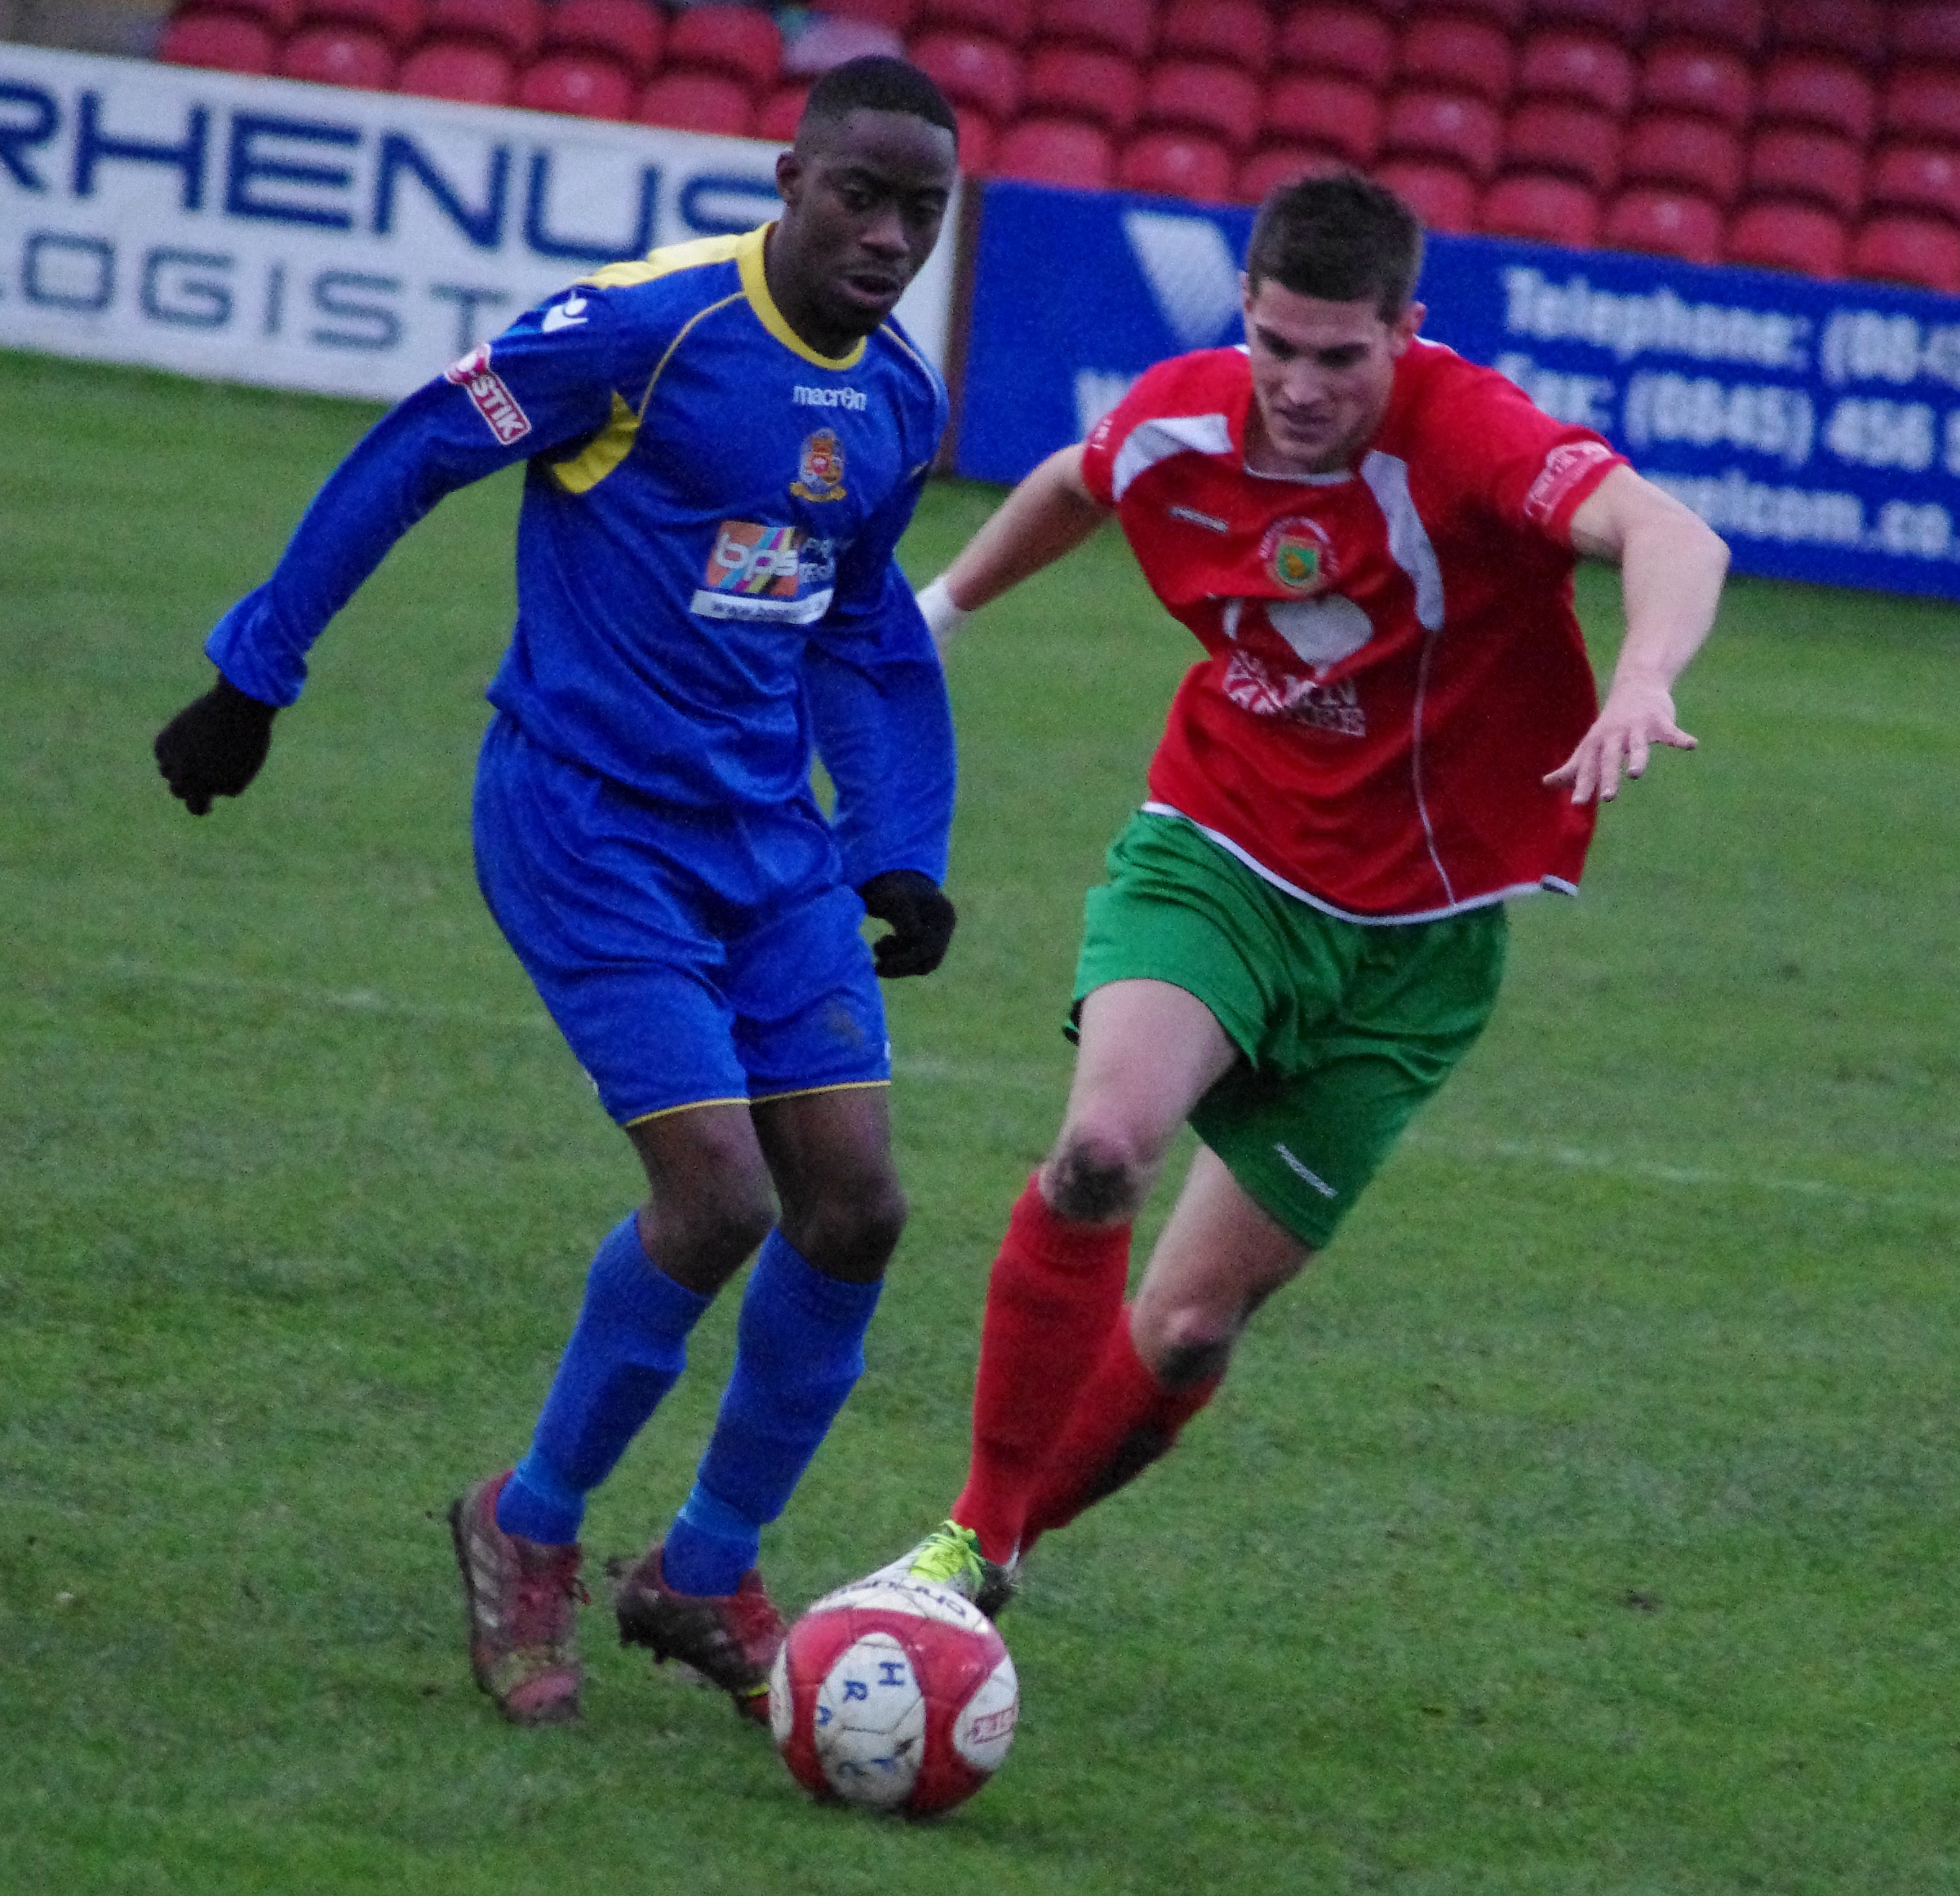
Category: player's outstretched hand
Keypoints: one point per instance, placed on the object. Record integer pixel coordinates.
(214, 746)
(921, 918)
(1639, 713)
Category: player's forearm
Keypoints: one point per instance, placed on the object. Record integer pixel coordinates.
(1049, 513)
(1671, 571)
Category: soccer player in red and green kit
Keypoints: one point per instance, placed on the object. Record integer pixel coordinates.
(1393, 731)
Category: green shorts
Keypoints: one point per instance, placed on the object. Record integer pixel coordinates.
(1347, 1028)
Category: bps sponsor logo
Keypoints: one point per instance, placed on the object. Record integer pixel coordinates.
(1297, 554)
(755, 559)
(820, 468)
(1565, 467)
(756, 572)
(484, 386)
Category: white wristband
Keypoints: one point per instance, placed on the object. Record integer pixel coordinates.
(942, 618)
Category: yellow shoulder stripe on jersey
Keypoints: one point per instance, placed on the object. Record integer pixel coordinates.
(890, 332)
(755, 284)
(665, 261)
(603, 452)
(583, 471)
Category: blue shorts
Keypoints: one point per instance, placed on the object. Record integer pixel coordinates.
(686, 963)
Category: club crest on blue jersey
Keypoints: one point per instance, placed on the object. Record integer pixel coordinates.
(820, 468)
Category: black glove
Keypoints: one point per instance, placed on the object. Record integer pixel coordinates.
(921, 919)
(214, 746)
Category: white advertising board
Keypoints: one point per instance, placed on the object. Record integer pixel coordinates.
(315, 237)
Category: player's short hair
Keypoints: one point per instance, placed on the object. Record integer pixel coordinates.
(877, 82)
(1337, 238)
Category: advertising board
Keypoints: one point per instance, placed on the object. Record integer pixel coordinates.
(322, 238)
(1815, 425)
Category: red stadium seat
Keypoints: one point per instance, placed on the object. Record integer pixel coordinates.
(1450, 125)
(1785, 161)
(1337, 114)
(780, 113)
(1443, 197)
(1735, 24)
(515, 27)
(978, 135)
(1009, 20)
(1082, 81)
(1337, 35)
(1584, 67)
(697, 102)
(1770, 236)
(1624, 20)
(1915, 178)
(1688, 153)
(1506, 16)
(339, 55)
(1541, 208)
(1555, 134)
(741, 43)
(1239, 32)
(1926, 32)
(1177, 164)
(1222, 102)
(1057, 151)
(1816, 90)
(224, 42)
(1265, 171)
(972, 70)
(1684, 75)
(465, 70)
(398, 22)
(1920, 250)
(1462, 55)
(278, 17)
(584, 84)
(1923, 104)
(1852, 29)
(632, 32)
(1129, 27)
(1672, 223)
(896, 15)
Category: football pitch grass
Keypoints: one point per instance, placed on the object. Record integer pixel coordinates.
(1587, 1523)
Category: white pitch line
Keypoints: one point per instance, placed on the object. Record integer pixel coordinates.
(930, 1069)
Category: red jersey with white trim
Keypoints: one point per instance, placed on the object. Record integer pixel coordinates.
(1393, 663)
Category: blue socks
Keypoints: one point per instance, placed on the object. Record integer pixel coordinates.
(627, 1348)
(799, 1352)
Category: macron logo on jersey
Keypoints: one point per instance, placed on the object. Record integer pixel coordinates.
(474, 376)
(803, 395)
(566, 315)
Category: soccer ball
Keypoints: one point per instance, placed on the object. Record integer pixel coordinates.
(894, 1695)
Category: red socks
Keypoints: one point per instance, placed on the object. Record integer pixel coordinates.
(1055, 1294)
(1124, 1418)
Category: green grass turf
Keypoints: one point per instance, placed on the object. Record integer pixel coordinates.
(1585, 1524)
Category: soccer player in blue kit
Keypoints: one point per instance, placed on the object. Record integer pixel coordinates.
(725, 442)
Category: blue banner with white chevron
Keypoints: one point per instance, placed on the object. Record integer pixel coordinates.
(1816, 426)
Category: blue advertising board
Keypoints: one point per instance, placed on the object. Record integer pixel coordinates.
(1816, 426)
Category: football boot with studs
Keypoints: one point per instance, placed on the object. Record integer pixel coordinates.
(521, 1598)
(730, 1640)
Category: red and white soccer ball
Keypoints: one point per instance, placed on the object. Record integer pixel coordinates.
(894, 1695)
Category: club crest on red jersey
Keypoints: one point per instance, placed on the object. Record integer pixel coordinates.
(1298, 555)
(820, 468)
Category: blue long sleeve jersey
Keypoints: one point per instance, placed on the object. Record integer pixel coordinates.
(706, 584)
